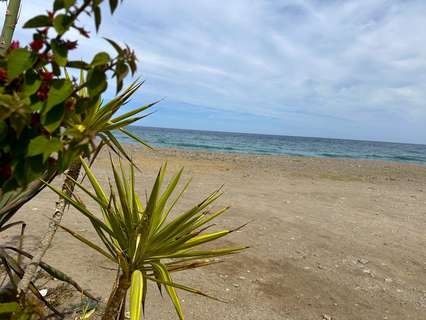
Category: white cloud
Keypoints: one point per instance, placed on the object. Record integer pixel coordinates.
(362, 62)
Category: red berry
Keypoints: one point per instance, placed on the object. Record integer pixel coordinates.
(36, 45)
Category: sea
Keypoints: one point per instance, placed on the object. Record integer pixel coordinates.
(264, 144)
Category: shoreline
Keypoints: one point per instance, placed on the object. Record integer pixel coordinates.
(200, 151)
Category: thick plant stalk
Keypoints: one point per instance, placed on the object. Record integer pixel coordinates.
(10, 20)
(117, 297)
(68, 188)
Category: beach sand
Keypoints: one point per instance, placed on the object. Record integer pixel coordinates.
(329, 239)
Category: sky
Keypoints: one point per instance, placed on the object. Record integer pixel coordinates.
(326, 68)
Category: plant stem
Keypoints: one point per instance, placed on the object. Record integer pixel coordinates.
(10, 20)
(68, 188)
(116, 298)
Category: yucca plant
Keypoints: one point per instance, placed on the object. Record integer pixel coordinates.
(145, 241)
(101, 120)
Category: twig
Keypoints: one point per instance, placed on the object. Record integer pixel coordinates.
(68, 188)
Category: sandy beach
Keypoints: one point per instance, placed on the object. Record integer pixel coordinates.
(329, 239)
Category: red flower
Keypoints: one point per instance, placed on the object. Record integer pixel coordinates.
(3, 75)
(14, 45)
(50, 15)
(70, 45)
(43, 92)
(46, 75)
(36, 45)
(45, 56)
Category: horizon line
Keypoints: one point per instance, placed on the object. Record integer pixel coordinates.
(279, 135)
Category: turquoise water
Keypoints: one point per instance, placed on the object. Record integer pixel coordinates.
(278, 145)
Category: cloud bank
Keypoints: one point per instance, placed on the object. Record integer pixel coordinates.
(350, 69)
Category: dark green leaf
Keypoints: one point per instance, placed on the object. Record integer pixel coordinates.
(101, 58)
(55, 68)
(19, 60)
(67, 158)
(53, 119)
(96, 82)
(113, 5)
(37, 22)
(38, 106)
(68, 3)
(58, 5)
(97, 14)
(78, 65)
(44, 146)
(121, 72)
(32, 82)
(60, 89)
(34, 167)
(60, 52)
(115, 45)
(3, 130)
(132, 65)
(62, 23)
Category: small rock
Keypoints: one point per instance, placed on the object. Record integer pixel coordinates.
(369, 272)
(43, 292)
(326, 317)
(227, 289)
(242, 278)
(236, 285)
(127, 315)
(388, 280)
(34, 209)
(363, 261)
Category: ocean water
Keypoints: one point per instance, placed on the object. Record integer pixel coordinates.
(278, 145)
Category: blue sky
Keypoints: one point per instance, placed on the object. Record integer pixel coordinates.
(345, 69)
